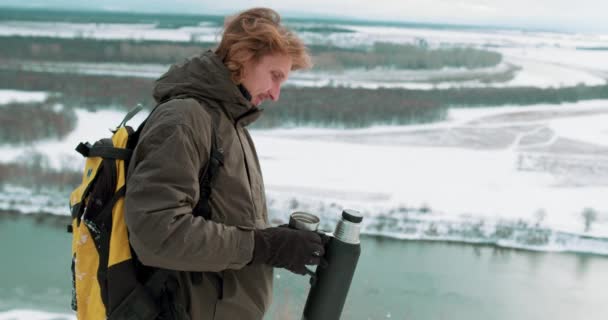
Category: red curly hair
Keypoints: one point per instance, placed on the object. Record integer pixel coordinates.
(255, 33)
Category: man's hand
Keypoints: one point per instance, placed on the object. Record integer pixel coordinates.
(288, 248)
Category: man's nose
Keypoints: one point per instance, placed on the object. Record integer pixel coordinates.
(275, 92)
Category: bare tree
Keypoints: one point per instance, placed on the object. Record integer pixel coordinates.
(540, 215)
(589, 216)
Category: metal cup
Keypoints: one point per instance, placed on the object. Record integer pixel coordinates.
(304, 221)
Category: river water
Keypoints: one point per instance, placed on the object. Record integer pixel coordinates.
(395, 279)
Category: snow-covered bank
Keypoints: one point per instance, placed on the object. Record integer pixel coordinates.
(536, 231)
(29, 201)
(23, 314)
(18, 96)
(542, 74)
(423, 223)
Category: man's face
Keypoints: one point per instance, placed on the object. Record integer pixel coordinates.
(263, 79)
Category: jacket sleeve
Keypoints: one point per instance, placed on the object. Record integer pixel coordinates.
(162, 189)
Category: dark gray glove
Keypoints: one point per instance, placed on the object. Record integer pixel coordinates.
(288, 248)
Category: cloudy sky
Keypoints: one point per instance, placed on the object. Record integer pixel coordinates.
(579, 15)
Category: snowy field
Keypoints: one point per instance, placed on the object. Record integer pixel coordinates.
(482, 172)
(471, 178)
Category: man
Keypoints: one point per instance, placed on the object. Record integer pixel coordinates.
(212, 97)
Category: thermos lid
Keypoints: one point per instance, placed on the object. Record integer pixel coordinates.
(352, 216)
(304, 221)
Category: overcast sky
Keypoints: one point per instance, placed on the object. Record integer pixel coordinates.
(579, 15)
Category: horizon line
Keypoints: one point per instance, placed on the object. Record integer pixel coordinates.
(297, 15)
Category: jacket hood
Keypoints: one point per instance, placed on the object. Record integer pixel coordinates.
(203, 76)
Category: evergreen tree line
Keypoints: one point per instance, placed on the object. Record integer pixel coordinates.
(328, 106)
(92, 50)
(407, 56)
(326, 57)
(22, 123)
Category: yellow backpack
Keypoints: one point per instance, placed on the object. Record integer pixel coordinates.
(100, 245)
(108, 280)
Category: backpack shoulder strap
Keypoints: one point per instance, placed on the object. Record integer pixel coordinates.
(106, 152)
(206, 175)
(209, 171)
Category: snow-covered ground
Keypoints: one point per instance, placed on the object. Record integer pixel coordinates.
(17, 96)
(34, 315)
(514, 176)
(205, 32)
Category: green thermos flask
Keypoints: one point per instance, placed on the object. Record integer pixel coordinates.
(330, 284)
